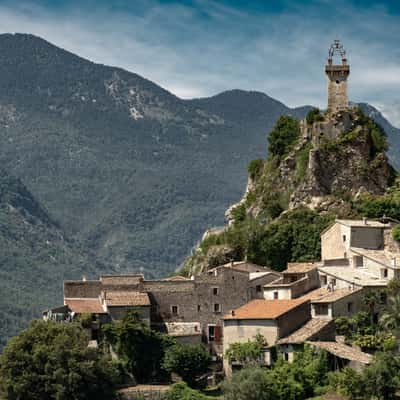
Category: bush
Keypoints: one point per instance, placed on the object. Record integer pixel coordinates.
(181, 391)
(248, 352)
(283, 136)
(314, 115)
(254, 168)
(50, 360)
(396, 233)
(188, 361)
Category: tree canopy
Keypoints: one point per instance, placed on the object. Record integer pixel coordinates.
(52, 361)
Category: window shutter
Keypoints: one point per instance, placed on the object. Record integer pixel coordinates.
(218, 333)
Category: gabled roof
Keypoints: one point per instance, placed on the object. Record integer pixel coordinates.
(82, 289)
(382, 257)
(343, 351)
(85, 306)
(264, 309)
(126, 298)
(307, 331)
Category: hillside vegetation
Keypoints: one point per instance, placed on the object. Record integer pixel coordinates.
(303, 185)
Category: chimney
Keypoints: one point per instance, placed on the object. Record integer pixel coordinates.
(233, 313)
(84, 278)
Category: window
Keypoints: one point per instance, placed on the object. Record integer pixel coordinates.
(350, 307)
(211, 333)
(258, 288)
(217, 308)
(286, 356)
(344, 238)
(174, 310)
(215, 291)
(276, 295)
(385, 273)
(321, 309)
(198, 308)
(324, 280)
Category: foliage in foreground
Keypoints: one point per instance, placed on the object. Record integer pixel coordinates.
(139, 347)
(181, 391)
(285, 381)
(379, 381)
(52, 361)
(188, 361)
(247, 352)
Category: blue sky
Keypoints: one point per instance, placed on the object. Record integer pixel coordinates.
(198, 48)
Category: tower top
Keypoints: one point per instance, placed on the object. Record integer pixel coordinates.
(337, 49)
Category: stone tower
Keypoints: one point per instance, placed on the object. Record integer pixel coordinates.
(337, 78)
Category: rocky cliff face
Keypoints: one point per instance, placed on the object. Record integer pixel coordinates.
(334, 161)
(318, 168)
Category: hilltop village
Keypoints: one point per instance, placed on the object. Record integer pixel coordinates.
(237, 301)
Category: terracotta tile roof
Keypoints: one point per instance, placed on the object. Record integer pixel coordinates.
(264, 309)
(125, 298)
(306, 332)
(83, 306)
(300, 267)
(343, 351)
(337, 294)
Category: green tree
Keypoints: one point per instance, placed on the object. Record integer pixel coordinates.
(314, 115)
(188, 361)
(52, 361)
(247, 352)
(370, 299)
(283, 136)
(381, 378)
(390, 318)
(347, 382)
(250, 384)
(141, 348)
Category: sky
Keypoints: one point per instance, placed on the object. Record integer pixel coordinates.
(198, 48)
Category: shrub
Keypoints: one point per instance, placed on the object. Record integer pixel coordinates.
(283, 136)
(396, 233)
(181, 391)
(248, 352)
(314, 115)
(188, 361)
(254, 168)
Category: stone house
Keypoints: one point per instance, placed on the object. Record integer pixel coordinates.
(273, 319)
(189, 309)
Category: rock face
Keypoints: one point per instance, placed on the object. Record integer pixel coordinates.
(335, 159)
(343, 162)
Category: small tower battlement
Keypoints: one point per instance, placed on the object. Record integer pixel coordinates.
(337, 78)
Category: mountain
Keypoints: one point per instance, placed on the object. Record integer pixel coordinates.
(35, 257)
(120, 163)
